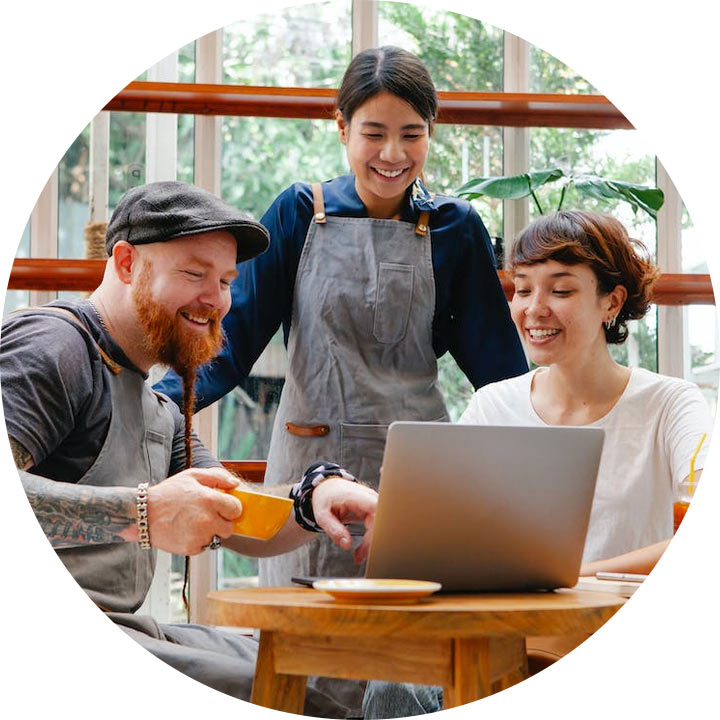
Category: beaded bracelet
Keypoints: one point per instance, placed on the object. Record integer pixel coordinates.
(301, 492)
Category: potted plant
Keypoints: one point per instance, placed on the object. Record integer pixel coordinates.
(514, 187)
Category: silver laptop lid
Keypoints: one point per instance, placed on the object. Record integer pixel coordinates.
(482, 508)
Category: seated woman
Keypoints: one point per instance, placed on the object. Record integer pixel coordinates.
(578, 280)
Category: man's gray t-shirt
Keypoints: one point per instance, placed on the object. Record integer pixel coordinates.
(56, 392)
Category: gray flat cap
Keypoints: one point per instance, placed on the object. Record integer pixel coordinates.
(161, 211)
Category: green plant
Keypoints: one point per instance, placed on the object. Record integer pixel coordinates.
(514, 187)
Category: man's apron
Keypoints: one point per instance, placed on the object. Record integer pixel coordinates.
(137, 449)
(360, 356)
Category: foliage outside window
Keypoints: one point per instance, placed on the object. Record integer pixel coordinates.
(304, 46)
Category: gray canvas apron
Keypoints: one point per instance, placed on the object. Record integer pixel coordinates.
(360, 356)
(137, 449)
(117, 576)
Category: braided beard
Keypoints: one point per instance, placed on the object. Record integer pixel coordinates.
(166, 339)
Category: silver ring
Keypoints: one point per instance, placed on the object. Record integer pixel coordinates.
(214, 544)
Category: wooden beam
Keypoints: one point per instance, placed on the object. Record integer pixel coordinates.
(79, 275)
(465, 108)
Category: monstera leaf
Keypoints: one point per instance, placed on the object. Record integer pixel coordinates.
(514, 187)
(640, 197)
(508, 187)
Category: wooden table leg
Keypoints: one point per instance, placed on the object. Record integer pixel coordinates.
(471, 672)
(276, 690)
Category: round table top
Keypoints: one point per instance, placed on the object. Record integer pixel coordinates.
(305, 611)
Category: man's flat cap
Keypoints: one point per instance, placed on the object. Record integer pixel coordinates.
(161, 211)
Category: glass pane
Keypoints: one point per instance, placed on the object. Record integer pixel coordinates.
(613, 155)
(186, 148)
(263, 156)
(186, 63)
(286, 150)
(304, 46)
(127, 154)
(15, 299)
(549, 75)
(640, 349)
(73, 197)
(461, 53)
(459, 153)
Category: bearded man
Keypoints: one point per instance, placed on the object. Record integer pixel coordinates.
(102, 456)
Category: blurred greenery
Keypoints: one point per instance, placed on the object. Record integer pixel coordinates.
(309, 45)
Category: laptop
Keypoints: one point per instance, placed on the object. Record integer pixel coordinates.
(484, 508)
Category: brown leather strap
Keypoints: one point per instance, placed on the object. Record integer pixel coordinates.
(307, 430)
(111, 364)
(318, 204)
(422, 227)
(423, 224)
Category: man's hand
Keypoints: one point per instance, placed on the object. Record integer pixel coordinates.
(336, 501)
(185, 511)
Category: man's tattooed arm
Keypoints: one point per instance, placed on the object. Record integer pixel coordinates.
(72, 515)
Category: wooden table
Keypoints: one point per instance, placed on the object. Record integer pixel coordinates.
(465, 643)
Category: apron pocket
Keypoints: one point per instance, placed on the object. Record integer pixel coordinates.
(158, 453)
(393, 301)
(361, 451)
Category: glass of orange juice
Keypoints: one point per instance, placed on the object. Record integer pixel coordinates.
(683, 497)
(686, 490)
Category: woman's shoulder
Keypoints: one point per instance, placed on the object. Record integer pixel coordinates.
(646, 381)
(499, 398)
(650, 392)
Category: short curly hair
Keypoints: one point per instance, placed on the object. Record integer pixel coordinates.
(600, 241)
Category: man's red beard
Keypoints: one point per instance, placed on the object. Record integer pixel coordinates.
(170, 343)
(166, 338)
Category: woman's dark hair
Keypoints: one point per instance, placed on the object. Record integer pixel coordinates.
(389, 69)
(574, 237)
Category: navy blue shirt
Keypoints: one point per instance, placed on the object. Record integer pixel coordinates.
(471, 319)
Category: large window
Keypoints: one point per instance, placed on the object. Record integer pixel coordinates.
(310, 46)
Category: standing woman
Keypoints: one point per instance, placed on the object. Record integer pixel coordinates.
(373, 278)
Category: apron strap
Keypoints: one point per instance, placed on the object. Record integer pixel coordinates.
(423, 224)
(318, 204)
(421, 228)
(111, 364)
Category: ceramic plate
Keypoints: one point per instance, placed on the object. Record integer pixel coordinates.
(371, 590)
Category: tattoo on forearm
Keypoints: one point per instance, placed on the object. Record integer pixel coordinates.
(72, 515)
(23, 459)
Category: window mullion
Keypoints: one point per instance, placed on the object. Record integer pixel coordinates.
(99, 167)
(161, 128)
(671, 325)
(364, 25)
(208, 59)
(516, 140)
(44, 232)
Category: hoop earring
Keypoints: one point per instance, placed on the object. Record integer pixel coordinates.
(609, 324)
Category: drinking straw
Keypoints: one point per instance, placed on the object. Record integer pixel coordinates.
(691, 478)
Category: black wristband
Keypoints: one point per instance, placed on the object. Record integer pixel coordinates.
(301, 492)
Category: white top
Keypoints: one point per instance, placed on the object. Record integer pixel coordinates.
(650, 437)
